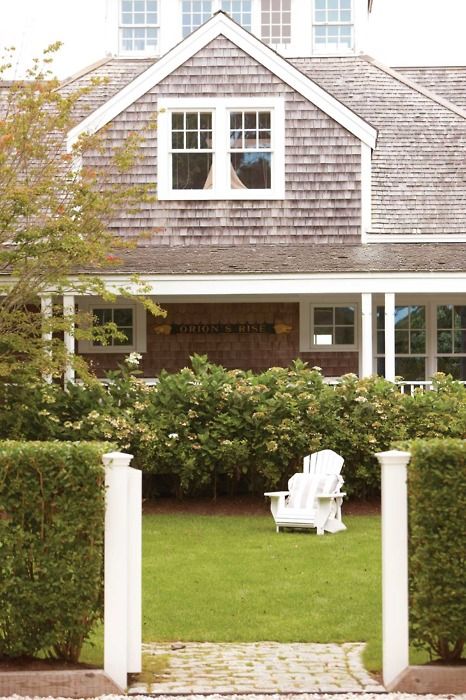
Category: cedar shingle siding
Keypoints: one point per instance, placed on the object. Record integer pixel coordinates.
(323, 189)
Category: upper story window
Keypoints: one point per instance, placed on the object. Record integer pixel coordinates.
(276, 21)
(333, 26)
(221, 149)
(240, 11)
(194, 13)
(139, 26)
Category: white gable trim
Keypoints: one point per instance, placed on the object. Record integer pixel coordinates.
(221, 24)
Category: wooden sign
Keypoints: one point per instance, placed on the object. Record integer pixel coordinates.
(277, 328)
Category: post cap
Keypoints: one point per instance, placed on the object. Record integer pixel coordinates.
(393, 457)
(117, 459)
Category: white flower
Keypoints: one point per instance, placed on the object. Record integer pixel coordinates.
(361, 399)
(133, 359)
(173, 436)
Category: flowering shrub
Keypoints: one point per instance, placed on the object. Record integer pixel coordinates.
(206, 429)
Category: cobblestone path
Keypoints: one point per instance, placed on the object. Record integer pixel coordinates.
(262, 667)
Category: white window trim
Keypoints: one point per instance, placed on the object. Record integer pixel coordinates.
(220, 108)
(139, 330)
(147, 52)
(306, 325)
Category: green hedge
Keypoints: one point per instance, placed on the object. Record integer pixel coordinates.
(52, 505)
(206, 430)
(437, 562)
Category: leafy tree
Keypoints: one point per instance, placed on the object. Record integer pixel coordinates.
(55, 218)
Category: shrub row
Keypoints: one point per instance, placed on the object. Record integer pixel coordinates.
(52, 503)
(205, 429)
(437, 561)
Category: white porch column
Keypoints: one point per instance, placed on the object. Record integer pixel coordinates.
(68, 310)
(46, 307)
(366, 335)
(390, 337)
(394, 563)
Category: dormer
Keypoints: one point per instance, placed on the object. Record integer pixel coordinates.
(304, 28)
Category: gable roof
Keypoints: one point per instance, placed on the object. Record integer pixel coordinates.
(222, 24)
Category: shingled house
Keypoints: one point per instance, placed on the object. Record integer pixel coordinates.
(310, 207)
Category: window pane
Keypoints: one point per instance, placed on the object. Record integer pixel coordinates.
(344, 315)
(252, 169)
(128, 332)
(456, 366)
(380, 342)
(323, 316)
(402, 342)
(418, 342)
(178, 139)
(445, 341)
(344, 335)
(190, 171)
(411, 368)
(460, 316)
(123, 317)
(380, 315)
(402, 317)
(323, 335)
(460, 341)
(177, 121)
(444, 316)
(418, 316)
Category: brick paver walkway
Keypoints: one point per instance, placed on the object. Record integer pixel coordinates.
(262, 667)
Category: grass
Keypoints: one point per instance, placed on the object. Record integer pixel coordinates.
(233, 579)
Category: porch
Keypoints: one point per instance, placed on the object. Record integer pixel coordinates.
(394, 335)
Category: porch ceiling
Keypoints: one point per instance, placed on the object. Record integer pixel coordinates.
(276, 259)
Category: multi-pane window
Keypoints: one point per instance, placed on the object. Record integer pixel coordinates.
(139, 26)
(194, 13)
(451, 340)
(239, 10)
(221, 148)
(276, 21)
(334, 326)
(333, 25)
(192, 150)
(123, 320)
(410, 342)
(251, 150)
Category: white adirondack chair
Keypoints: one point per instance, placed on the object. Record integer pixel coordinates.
(314, 497)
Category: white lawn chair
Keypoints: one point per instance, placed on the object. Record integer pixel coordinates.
(314, 497)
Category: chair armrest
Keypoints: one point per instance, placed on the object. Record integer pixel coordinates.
(276, 494)
(338, 494)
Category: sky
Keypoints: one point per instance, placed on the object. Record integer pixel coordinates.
(402, 32)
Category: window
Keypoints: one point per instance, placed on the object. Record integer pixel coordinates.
(410, 342)
(333, 326)
(239, 10)
(221, 148)
(139, 26)
(123, 320)
(195, 13)
(451, 340)
(276, 21)
(333, 26)
(128, 317)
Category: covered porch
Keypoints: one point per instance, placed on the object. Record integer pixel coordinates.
(408, 324)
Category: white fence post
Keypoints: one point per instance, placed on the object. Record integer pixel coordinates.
(395, 612)
(122, 613)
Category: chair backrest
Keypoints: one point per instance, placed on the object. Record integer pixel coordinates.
(304, 488)
(323, 462)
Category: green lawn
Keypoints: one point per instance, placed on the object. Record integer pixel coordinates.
(232, 578)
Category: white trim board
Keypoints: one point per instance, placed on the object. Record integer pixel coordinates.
(221, 24)
(415, 238)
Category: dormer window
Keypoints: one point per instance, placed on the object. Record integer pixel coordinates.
(139, 27)
(221, 148)
(333, 26)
